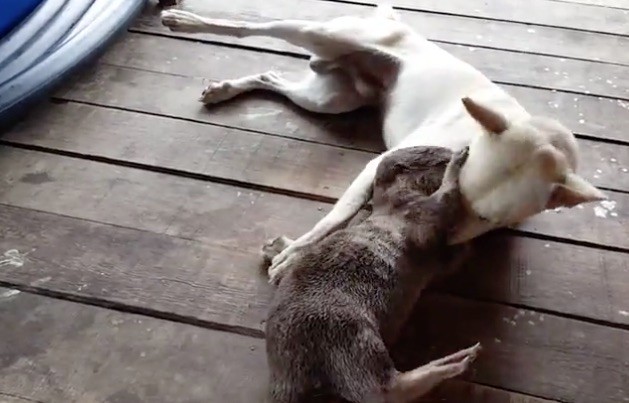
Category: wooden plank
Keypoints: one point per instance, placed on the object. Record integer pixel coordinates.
(554, 358)
(522, 349)
(457, 391)
(190, 59)
(541, 12)
(166, 276)
(540, 273)
(58, 351)
(624, 4)
(226, 216)
(439, 27)
(6, 398)
(218, 232)
(319, 170)
(176, 96)
(265, 163)
(584, 115)
(176, 92)
(609, 220)
(231, 154)
(79, 353)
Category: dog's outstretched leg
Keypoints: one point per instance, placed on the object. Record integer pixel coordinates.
(305, 34)
(328, 40)
(322, 93)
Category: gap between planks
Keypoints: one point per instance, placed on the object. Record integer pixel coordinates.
(482, 320)
(199, 211)
(584, 114)
(129, 353)
(452, 29)
(513, 11)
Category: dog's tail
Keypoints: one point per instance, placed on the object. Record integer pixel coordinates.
(385, 10)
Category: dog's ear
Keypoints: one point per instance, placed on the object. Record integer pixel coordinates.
(569, 189)
(552, 163)
(491, 120)
(572, 191)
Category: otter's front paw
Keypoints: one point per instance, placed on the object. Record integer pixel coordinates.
(274, 247)
(453, 169)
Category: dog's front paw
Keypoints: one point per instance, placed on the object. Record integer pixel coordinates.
(282, 262)
(218, 92)
(179, 20)
(274, 247)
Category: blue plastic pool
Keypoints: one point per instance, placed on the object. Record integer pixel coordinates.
(13, 12)
(43, 41)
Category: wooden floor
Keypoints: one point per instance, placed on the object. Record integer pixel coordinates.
(131, 217)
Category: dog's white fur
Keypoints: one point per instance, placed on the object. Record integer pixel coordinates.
(518, 165)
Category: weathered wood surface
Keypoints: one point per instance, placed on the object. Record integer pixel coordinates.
(457, 391)
(223, 215)
(551, 352)
(231, 154)
(579, 76)
(257, 164)
(439, 27)
(8, 398)
(622, 4)
(58, 351)
(523, 348)
(223, 227)
(277, 162)
(176, 92)
(542, 12)
(181, 243)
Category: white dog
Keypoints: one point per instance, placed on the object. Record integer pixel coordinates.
(518, 166)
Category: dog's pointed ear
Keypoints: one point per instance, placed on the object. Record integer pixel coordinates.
(573, 191)
(491, 120)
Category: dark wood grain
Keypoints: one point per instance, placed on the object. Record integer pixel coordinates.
(225, 226)
(140, 200)
(189, 58)
(522, 348)
(176, 92)
(540, 274)
(64, 351)
(472, 32)
(226, 216)
(551, 357)
(226, 154)
(231, 154)
(58, 351)
(457, 391)
(264, 162)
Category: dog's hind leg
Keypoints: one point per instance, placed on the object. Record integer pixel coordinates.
(331, 92)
